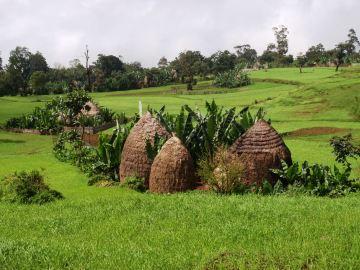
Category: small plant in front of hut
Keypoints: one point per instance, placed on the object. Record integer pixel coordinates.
(109, 149)
(27, 188)
(135, 183)
(222, 173)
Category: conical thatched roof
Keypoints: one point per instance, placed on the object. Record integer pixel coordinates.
(90, 109)
(173, 168)
(260, 149)
(134, 159)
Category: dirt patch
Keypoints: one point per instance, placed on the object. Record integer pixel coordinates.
(314, 131)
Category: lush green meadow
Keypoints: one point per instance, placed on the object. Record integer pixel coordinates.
(115, 228)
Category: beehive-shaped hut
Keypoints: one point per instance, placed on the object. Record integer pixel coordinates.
(134, 159)
(90, 109)
(260, 149)
(173, 168)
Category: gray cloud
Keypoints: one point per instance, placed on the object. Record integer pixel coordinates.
(145, 30)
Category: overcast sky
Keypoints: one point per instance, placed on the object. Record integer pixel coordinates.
(145, 30)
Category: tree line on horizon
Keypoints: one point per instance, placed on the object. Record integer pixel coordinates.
(28, 73)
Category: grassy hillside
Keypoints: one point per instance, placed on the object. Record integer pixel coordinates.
(114, 228)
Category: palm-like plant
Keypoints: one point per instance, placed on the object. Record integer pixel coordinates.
(109, 149)
(203, 134)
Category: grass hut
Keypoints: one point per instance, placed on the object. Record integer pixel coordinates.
(173, 168)
(260, 149)
(90, 109)
(134, 159)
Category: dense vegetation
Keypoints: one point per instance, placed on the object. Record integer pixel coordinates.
(70, 110)
(27, 187)
(28, 73)
(234, 231)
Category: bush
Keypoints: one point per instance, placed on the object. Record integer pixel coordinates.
(134, 183)
(232, 78)
(222, 173)
(317, 179)
(26, 188)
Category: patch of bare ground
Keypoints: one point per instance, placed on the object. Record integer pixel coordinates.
(315, 131)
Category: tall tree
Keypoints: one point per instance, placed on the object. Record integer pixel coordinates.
(19, 68)
(1, 68)
(38, 63)
(163, 62)
(281, 34)
(108, 64)
(301, 61)
(222, 61)
(340, 54)
(188, 64)
(316, 54)
(352, 43)
(246, 54)
(269, 55)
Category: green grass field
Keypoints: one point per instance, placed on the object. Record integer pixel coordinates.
(115, 228)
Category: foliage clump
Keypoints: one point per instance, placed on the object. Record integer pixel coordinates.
(232, 78)
(222, 173)
(27, 188)
(135, 183)
(317, 179)
(61, 111)
(322, 180)
(100, 163)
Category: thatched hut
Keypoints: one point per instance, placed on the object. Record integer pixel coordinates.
(260, 149)
(90, 109)
(134, 159)
(173, 168)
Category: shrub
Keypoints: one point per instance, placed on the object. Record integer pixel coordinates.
(99, 163)
(343, 149)
(232, 78)
(134, 183)
(317, 179)
(222, 173)
(27, 187)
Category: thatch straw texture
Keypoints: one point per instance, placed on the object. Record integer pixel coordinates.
(90, 109)
(134, 159)
(260, 149)
(173, 168)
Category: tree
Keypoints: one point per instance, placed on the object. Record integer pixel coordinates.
(38, 63)
(246, 54)
(1, 68)
(316, 55)
(108, 64)
(301, 61)
(163, 62)
(269, 55)
(188, 64)
(222, 61)
(19, 68)
(88, 70)
(37, 82)
(352, 43)
(340, 54)
(281, 33)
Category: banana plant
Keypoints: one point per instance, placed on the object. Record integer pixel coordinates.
(110, 147)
